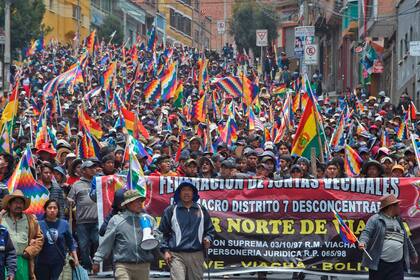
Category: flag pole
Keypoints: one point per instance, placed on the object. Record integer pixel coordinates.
(364, 250)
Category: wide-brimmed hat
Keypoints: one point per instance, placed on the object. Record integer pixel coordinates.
(388, 200)
(130, 196)
(16, 194)
(369, 163)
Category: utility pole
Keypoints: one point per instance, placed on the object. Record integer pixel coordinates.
(7, 55)
(304, 67)
(79, 15)
(224, 19)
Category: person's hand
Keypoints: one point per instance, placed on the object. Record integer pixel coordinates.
(362, 245)
(414, 260)
(95, 267)
(10, 277)
(75, 262)
(167, 257)
(26, 255)
(32, 242)
(206, 243)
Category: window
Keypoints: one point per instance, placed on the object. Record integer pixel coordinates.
(179, 22)
(143, 29)
(401, 49)
(406, 43)
(197, 4)
(106, 5)
(51, 5)
(196, 35)
(411, 34)
(188, 2)
(96, 3)
(76, 12)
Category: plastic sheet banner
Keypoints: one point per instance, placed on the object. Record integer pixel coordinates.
(289, 225)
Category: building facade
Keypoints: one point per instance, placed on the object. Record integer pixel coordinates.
(408, 74)
(186, 25)
(69, 20)
(218, 11)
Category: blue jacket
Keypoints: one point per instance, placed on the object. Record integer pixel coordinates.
(184, 229)
(7, 254)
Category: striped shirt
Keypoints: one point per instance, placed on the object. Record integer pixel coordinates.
(392, 250)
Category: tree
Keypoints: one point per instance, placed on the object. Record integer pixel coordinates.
(25, 22)
(247, 18)
(111, 24)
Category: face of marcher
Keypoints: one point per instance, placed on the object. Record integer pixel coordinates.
(331, 171)
(225, 172)
(119, 156)
(135, 206)
(295, 173)
(303, 166)
(283, 164)
(165, 166)
(320, 173)
(252, 161)
(90, 172)
(398, 173)
(194, 145)
(205, 167)
(16, 206)
(388, 165)
(191, 170)
(270, 165)
(242, 165)
(52, 211)
(283, 150)
(186, 195)
(108, 166)
(372, 172)
(46, 175)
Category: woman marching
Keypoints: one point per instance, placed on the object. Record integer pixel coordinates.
(58, 241)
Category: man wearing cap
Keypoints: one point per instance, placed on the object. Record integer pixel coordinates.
(86, 212)
(55, 191)
(191, 168)
(123, 238)
(24, 231)
(387, 242)
(226, 169)
(195, 144)
(387, 164)
(187, 231)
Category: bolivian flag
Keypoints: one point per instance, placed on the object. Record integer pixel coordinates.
(307, 134)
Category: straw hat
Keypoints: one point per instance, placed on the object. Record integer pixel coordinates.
(388, 200)
(16, 194)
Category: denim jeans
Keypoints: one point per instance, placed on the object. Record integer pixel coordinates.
(88, 239)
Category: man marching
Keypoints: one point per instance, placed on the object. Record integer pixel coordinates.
(187, 230)
(386, 240)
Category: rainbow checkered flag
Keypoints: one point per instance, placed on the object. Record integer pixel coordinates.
(135, 177)
(346, 234)
(23, 180)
